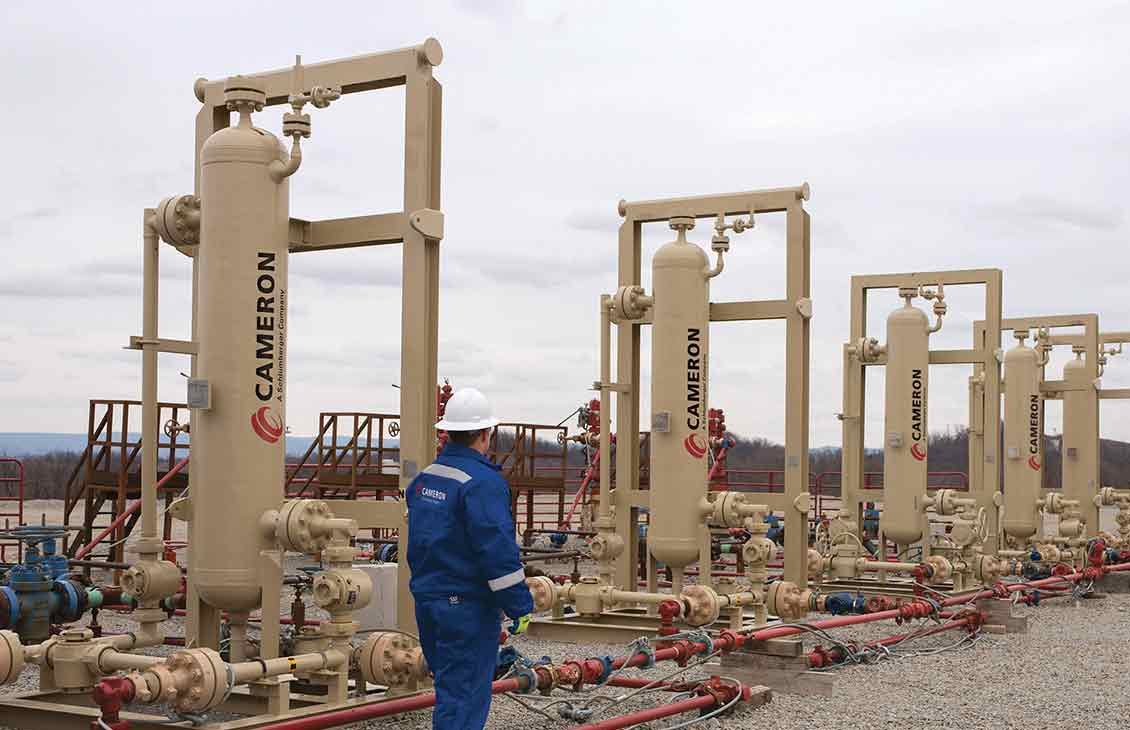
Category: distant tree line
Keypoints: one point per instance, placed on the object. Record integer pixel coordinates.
(947, 451)
(45, 475)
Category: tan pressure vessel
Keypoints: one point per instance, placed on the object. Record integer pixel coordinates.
(680, 325)
(1023, 462)
(904, 453)
(238, 445)
(1080, 431)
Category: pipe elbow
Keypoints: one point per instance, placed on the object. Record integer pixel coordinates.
(719, 265)
(282, 170)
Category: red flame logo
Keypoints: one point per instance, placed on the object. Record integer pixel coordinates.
(1033, 463)
(917, 451)
(695, 446)
(266, 425)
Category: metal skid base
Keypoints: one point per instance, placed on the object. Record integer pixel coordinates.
(59, 711)
(779, 664)
(618, 626)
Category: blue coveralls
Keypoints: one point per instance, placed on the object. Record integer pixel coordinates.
(465, 570)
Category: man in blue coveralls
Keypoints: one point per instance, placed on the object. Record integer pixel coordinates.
(465, 566)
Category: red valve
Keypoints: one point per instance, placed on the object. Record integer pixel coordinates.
(668, 611)
(110, 695)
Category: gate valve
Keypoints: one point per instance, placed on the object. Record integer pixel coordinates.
(722, 693)
(172, 428)
(876, 604)
(939, 304)
(110, 695)
(820, 657)
(923, 573)
(913, 610)
(739, 225)
(443, 395)
(1096, 552)
(668, 612)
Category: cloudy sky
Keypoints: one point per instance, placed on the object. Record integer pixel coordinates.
(934, 136)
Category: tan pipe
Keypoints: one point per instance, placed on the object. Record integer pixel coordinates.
(616, 596)
(743, 598)
(893, 567)
(250, 671)
(282, 170)
(605, 407)
(145, 637)
(719, 265)
(112, 661)
(604, 520)
(149, 416)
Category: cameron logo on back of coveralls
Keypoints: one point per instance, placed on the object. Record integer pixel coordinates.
(433, 494)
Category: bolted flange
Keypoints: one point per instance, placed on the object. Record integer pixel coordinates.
(200, 680)
(391, 659)
(177, 220)
(342, 589)
(295, 526)
(703, 607)
(544, 592)
(11, 657)
(243, 91)
(606, 546)
(151, 580)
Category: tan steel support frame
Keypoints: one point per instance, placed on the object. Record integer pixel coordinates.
(265, 703)
(1086, 489)
(411, 68)
(982, 357)
(1114, 338)
(795, 309)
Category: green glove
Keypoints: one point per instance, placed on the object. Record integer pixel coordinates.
(519, 625)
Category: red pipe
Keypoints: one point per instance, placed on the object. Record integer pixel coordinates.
(705, 702)
(133, 507)
(921, 609)
(582, 489)
(719, 459)
(588, 671)
(383, 709)
(641, 682)
(821, 657)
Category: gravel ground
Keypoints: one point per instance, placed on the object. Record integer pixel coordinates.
(1069, 668)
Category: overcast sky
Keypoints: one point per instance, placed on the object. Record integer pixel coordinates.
(934, 135)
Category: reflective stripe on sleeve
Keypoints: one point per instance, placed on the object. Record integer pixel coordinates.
(510, 579)
(448, 472)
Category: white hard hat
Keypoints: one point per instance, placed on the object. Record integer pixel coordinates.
(467, 410)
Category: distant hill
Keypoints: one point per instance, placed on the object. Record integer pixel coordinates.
(50, 457)
(36, 444)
